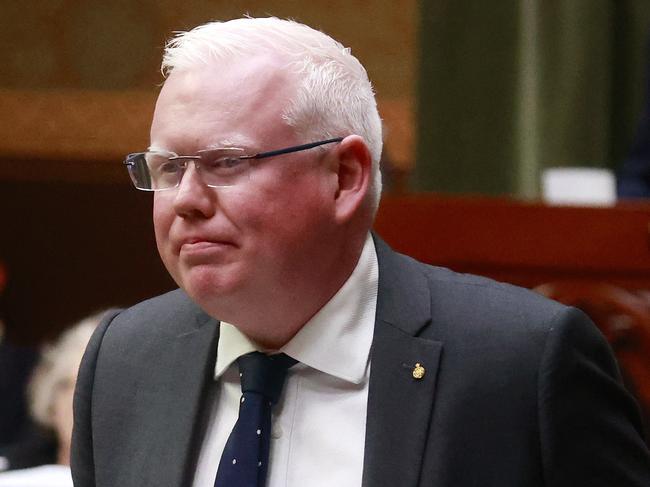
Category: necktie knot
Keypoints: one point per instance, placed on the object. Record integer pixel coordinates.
(264, 374)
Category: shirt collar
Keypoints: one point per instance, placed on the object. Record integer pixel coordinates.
(337, 339)
(232, 345)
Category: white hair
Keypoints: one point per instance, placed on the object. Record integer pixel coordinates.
(59, 362)
(334, 97)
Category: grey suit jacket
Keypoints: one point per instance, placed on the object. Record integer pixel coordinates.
(518, 391)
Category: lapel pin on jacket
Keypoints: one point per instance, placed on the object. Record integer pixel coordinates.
(418, 371)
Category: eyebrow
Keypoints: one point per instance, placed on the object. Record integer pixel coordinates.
(243, 143)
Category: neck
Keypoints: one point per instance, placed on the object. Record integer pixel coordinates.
(280, 314)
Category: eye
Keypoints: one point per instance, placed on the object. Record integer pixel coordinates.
(159, 164)
(168, 167)
(223, 167)
(224, 163)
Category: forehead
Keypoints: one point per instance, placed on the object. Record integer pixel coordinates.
(240, 101)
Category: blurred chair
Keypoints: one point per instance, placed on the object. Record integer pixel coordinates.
(50, 393)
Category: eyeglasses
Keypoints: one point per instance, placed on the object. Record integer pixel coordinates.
(161, 170)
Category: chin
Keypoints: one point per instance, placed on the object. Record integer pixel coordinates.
(210, 288)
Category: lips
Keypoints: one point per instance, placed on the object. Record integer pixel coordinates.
(202, 244)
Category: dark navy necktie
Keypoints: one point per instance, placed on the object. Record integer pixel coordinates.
(244, 461)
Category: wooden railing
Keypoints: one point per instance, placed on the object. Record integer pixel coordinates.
(523, 243)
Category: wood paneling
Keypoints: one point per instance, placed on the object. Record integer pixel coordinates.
(74, 125)
(72, 249)
(522, 243)
(82, 136)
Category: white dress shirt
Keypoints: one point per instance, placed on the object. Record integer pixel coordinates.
(319, 423)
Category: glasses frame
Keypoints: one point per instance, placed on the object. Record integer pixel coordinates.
(260, 155)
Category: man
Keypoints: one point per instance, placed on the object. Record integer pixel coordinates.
(406, 374)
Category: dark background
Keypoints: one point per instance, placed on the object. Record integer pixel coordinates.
(73, 249)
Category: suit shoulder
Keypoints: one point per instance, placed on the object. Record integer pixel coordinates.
(172, 300)
(449, 283)
(170, 314)
(483, 306)
(502, 322)
(469, 286)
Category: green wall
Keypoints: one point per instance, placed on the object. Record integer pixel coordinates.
(509, 87)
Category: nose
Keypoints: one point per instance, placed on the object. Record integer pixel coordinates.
(194, 199)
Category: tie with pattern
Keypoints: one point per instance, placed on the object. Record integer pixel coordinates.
(244, 461)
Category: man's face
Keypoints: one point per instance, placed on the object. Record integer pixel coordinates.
(248, 244)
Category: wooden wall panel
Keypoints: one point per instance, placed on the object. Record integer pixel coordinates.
(74, 125)
(72, 249)
(522, 243)
(79, 78)
(83, 136)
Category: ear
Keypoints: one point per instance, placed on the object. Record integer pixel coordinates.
(353, 167)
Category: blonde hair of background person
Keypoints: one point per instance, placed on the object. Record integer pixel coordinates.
(52, 386)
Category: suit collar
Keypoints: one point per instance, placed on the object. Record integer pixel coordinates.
(404, 299)
(399, 405)
(178, 401)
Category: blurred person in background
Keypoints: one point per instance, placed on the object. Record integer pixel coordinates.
(633, 179)
(50, 393)
(16, 428)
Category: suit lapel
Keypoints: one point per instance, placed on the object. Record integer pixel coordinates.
(188, 366)
(399, 405)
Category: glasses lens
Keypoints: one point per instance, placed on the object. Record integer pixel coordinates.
(153, 171)
(224, 167)
(138, 171)
(164, 173)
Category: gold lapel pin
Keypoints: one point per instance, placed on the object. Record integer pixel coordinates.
(418, 371)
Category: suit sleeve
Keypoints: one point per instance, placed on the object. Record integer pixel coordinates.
(590, 427)
(81, 454)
